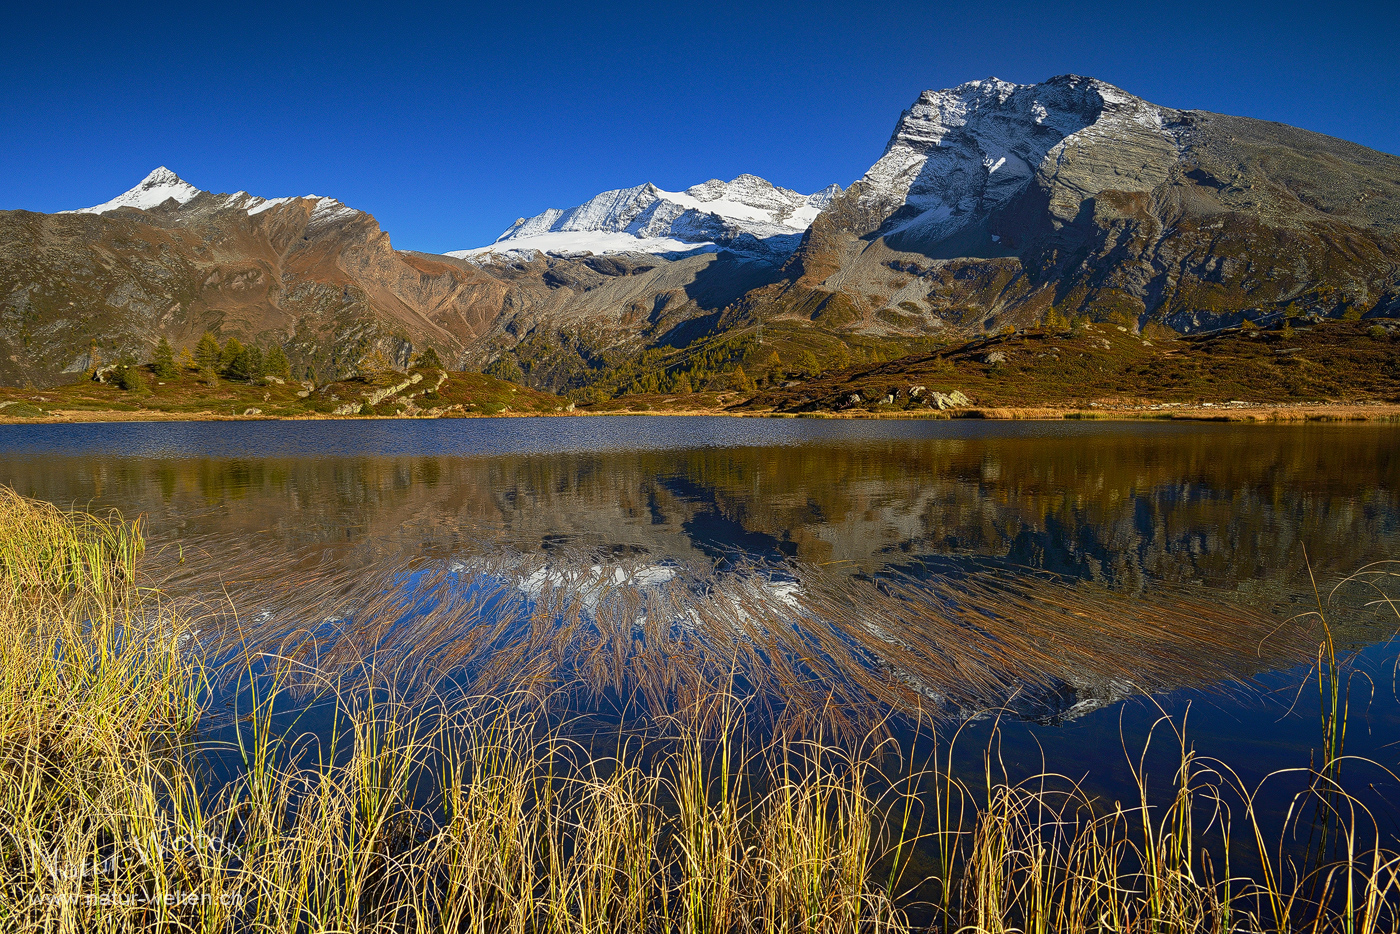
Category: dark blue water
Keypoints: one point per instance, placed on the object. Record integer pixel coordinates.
(501, 436)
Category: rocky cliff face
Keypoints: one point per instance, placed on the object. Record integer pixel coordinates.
(960, 157)
(995, 203)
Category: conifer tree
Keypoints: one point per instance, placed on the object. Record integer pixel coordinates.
(505, 367)
(206, 352)
(276, 363)
(375, 368)
(233, 349)
(428, 360)
(739, 380)
(131, 379)
(239, 365)
(164, 360)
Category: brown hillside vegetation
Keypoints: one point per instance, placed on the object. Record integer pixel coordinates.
(1128, 214)
(1108, 365)
(1332, 369)
(434, 394)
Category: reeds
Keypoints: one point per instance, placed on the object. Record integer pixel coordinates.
(44, 550)
(811, 649)
(95, 691)
(445, 808)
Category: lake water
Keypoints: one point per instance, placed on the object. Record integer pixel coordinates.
(1082, 576)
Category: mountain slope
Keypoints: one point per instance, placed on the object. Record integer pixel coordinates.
(996, 204)
(166, 259)
(993, 205)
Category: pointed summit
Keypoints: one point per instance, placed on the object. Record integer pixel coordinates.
(155, 189)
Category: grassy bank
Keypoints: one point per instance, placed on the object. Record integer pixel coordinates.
(1110, 366)
(454, 811)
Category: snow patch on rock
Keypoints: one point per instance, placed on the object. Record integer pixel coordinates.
(163, 185)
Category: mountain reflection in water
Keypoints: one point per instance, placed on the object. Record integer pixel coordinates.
(1083, 548)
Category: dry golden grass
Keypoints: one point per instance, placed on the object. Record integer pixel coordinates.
(810, 648)
(454, 809)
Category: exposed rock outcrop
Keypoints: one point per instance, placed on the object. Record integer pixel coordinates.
(995, 203)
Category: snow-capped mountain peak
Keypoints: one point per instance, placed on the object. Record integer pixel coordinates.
(958, 154)
(163, 185)
(155, 189)
(747, 214)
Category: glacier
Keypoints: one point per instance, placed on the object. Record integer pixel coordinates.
(747, 215)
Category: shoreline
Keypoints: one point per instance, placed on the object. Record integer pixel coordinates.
(1243, 413)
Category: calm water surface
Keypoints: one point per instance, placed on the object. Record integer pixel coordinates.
(1230, 507)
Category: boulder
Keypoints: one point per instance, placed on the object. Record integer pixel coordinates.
(951, 400)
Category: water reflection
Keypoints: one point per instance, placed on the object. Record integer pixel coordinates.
(1231, 506)
(321, 521)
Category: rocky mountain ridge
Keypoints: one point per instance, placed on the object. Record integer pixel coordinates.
(960, 157)
(167, 259)
(747, 215)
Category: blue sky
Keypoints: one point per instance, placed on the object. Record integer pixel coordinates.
(448, 121)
